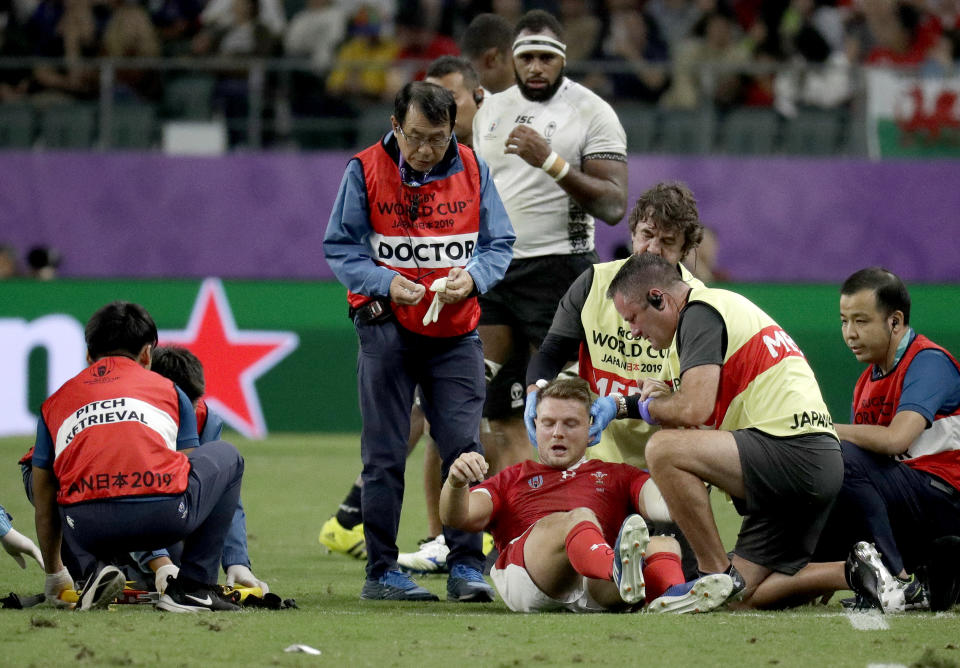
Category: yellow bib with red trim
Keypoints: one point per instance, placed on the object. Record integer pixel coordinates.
(765, 382)
(612, 361)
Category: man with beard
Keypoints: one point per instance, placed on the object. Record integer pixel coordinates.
(558, 157)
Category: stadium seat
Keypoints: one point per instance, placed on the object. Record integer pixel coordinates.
(71, 125)
(189, 97)
(134, 126)
(749, 132)
(683, 131)
(814, 132)
(16, 125)
(640, 121)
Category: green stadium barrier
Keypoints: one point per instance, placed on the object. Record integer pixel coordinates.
(309, 384)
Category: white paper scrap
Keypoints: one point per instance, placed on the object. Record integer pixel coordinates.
(306, 649)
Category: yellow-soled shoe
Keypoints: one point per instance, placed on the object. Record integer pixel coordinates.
(345, 541)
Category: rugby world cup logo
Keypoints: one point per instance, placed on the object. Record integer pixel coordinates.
(535, 481)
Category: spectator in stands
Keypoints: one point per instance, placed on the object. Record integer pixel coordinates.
(221, 15)
(944, 56)
(177, 23)
(360, 69)
(419, 45)
(70, 30)
(488, 44)
(315, 32)
(43, 262)
(715, 42)
(246, 35)
(633, 42)
(676, 19)
(579, 18)
(826, 81)
(896, 33)
(130, 34)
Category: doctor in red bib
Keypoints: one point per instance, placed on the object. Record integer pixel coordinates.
(416, 233)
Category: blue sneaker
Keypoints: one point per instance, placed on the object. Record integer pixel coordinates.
(628, 553)
(466, 585)
(395, 586)
(701, 595)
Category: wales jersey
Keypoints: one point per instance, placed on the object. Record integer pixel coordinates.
(578, 125)
(527, 492)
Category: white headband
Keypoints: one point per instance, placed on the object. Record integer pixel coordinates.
(529, 43)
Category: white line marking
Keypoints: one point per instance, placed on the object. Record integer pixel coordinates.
(868, 621)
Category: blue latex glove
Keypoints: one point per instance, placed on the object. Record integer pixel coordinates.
(530, 416)
(603, 410)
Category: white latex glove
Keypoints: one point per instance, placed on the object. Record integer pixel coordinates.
(56, 583)
(242, 575)
(17, 545)
(160, 577)
(433, 313)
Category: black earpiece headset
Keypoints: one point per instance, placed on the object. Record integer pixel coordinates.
(656, 301)
(477, 98)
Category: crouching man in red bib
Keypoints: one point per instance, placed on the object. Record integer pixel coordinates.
(115, 470)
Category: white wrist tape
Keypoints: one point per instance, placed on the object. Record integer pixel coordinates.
(548, 163)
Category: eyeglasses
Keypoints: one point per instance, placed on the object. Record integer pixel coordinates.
(417, 142)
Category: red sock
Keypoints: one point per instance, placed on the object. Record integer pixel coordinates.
(588, 551)
(661, 572)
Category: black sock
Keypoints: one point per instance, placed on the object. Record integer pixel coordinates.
(348, 515)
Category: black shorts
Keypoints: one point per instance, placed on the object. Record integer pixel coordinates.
(791, 484)
(507, 392)
(527, 297)
(526, 301)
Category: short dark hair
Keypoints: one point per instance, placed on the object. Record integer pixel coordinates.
(484, 32)
(182, 367)
(576, 389)
(445, 65)
(119, 328)
(891, 293)
(538, 20)
(435, 102)
(671, 206)
(642, 272)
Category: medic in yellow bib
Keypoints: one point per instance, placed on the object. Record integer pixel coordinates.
(588, 328)
(773, 447)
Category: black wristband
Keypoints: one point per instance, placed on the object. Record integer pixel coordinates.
(633, 407)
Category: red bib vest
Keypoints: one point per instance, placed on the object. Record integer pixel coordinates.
(422, 233)
(876, 401)
(114, 429)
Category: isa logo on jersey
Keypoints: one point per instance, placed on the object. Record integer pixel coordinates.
(535, 482)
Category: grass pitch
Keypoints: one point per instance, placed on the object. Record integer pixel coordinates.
(294, 482)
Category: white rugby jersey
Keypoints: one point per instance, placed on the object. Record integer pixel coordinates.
(576, 123)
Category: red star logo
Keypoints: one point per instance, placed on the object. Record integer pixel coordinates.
(232, 359)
